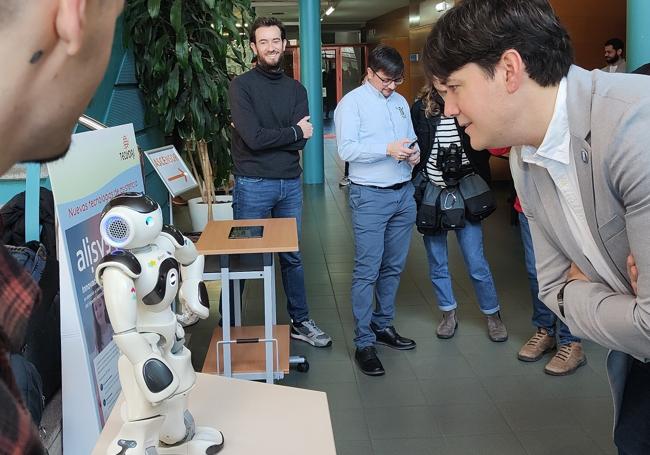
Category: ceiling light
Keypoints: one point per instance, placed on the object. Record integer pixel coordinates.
(329, 10)
(442, 6)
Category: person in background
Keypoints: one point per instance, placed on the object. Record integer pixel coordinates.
(381, 199)
(436, 131)
(271, 126)
(58, 51)
(570, 355)
(614, 49)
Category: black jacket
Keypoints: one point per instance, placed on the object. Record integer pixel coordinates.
(425, 130)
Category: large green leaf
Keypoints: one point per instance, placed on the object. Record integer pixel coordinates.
(154, 8)
(176, 16)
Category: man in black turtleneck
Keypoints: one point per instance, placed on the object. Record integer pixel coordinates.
(271, 119)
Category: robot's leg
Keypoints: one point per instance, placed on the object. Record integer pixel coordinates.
(139, 434)
(179, 435)
(137, 438)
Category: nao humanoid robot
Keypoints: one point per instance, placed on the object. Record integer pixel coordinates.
(141, 279)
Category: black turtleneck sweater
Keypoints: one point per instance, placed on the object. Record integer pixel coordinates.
(266, 108)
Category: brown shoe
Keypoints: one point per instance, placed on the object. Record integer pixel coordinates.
(566, 360)
(448, 325)
(496, 328)
(538, 345)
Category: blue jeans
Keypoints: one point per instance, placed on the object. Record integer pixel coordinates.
(542, 316)
(256, 197)
(382, 220)
(470, 239)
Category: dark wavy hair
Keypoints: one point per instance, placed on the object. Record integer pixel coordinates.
(480, 31)
(267, 22)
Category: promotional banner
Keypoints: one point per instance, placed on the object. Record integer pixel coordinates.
(99, 166)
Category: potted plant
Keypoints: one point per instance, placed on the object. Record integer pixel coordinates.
(181, 50)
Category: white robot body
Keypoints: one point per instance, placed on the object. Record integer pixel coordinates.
(141, 280)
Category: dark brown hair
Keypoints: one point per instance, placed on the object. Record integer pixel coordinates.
(267, 22)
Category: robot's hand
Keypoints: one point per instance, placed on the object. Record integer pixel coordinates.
(194, 297)
(155, 378)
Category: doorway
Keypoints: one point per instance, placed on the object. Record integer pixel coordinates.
(343, 68)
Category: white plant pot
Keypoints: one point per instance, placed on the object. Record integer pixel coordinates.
(221, 210)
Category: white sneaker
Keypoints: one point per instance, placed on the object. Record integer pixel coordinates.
(309, 332)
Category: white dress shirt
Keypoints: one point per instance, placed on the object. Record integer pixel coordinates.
(554, 154)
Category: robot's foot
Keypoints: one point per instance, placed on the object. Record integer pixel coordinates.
(206, 441)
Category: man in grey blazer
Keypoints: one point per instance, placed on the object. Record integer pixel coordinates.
(614, 48)
(582, 173)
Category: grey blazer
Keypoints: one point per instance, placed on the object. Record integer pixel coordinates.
(609, 122)
(621, 68)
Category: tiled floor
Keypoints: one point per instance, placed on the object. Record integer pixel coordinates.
(466, 395)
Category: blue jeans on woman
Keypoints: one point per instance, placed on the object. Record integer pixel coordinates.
(470, 239)
(542, 316)
(257, 197)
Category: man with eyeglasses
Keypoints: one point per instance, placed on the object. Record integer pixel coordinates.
(373, 132)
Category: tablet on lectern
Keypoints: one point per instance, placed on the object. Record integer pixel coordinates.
(246, 232)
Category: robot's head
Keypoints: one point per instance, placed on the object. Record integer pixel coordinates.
(131, 220)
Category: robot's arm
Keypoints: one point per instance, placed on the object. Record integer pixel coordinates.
(116, 273)
(193, 293)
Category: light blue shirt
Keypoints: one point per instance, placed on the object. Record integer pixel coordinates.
(366, 122)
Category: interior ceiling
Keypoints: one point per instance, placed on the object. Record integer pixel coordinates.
(351, 13)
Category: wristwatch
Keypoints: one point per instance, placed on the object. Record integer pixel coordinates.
(560, 296)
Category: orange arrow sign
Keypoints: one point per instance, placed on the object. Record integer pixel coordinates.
(181, 175)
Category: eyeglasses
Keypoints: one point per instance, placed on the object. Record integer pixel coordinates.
(387, 82)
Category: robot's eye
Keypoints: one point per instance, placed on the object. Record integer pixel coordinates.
(149, 221)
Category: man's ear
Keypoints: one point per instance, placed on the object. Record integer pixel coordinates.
(513, 69)
(254, 48)
(70, 24)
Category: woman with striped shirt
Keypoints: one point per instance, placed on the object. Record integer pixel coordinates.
(436, 132)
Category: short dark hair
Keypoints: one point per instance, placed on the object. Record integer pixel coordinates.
(387, 59)
(480, 31)
(267, 22)
(616, 43)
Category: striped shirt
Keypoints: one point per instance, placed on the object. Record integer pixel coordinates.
(446, 135)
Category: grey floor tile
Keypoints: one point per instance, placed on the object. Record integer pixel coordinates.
(480, 344)
(349, 425)
(354, 447)
(432, 446)
(500, 365)
(558, 442)
(513, 388)
(454, 391)
(525, 415)
(340, 395)
(484, 444)
(469, 419)
(391, 393)
(401, 422)
(441, 367)
(430, 346)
